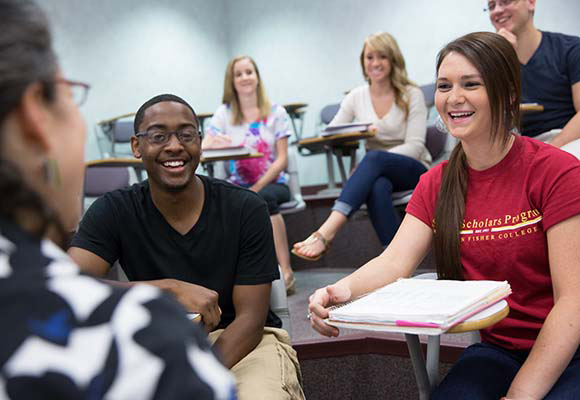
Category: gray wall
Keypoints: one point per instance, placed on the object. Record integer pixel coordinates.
(307, 50)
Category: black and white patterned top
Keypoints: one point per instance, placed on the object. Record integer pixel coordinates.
(68, 336)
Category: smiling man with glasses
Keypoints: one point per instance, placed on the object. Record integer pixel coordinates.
(550, 66)
(206, 241)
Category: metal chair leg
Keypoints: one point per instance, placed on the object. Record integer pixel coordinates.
(330, 167)
(433, 347)
(418, 361)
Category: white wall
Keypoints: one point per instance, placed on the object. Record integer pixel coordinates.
(131, 50)
(307, 50)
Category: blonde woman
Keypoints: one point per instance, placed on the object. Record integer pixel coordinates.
(248, 118)
(396, 156)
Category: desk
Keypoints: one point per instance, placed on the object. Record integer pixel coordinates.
(336, 144)
(116, 162)
(138, 166)
(296, 112)
(134, 163)
(427, 373)
(202, 118)
(207, 162)
(531, 107)
(109, 122)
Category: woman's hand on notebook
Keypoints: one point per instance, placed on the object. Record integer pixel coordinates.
(319, 304)
(218, 141)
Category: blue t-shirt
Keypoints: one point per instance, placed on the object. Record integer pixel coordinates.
(547, 79)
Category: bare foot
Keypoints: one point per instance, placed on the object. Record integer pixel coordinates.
(313, 247)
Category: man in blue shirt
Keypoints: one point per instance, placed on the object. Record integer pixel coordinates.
(550, 66)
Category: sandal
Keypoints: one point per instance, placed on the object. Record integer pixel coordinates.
(315, 236)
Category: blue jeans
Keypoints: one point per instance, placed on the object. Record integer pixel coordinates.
(378, 175)
(485, 371)
(275, 194)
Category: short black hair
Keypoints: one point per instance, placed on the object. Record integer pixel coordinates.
(159, 99)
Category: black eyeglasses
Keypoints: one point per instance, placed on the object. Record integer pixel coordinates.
(159, 137)
(80, 90)
(504, 3)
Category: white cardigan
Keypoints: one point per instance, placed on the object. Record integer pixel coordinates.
(395, 133)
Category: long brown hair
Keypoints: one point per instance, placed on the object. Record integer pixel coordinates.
(497, 62)
(230, 96)
(385, 43)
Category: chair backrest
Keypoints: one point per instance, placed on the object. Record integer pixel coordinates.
(113, 132)
(328, 112)
(100, 180)
(122, 131)
(435, 142)
(429, 94)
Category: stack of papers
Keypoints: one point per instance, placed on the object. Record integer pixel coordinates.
(419, 305)
(225, 152)
(346, 128)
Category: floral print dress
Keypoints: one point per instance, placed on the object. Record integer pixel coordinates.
(259, 136)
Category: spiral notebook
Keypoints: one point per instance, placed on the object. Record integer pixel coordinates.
(419, 305)
(346, 128)
(225, 152)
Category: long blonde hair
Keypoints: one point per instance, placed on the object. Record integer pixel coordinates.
(230, 96)
(385, 43)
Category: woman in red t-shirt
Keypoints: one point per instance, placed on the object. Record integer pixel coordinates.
(505, 207)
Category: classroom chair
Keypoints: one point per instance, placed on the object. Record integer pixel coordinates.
(429, 95)
(279, 301)
(114, 136)
(100, 180)
(426, 370)
(435, 142)
(296, 203)
(342, 150)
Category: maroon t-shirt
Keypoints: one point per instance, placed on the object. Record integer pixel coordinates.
(509, 208)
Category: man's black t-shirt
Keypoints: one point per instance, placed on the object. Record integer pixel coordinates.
(231, 243)
(547, 79)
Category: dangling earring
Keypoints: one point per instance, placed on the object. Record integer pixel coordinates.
(51, 174)
(440, 125)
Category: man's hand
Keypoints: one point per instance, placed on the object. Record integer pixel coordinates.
(198, 299)
(509, 36)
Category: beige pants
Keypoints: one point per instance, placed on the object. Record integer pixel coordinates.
(270, 371)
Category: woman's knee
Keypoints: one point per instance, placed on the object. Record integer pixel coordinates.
(271, 201)
(273, 207)
(373, 156)
(382, 186)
